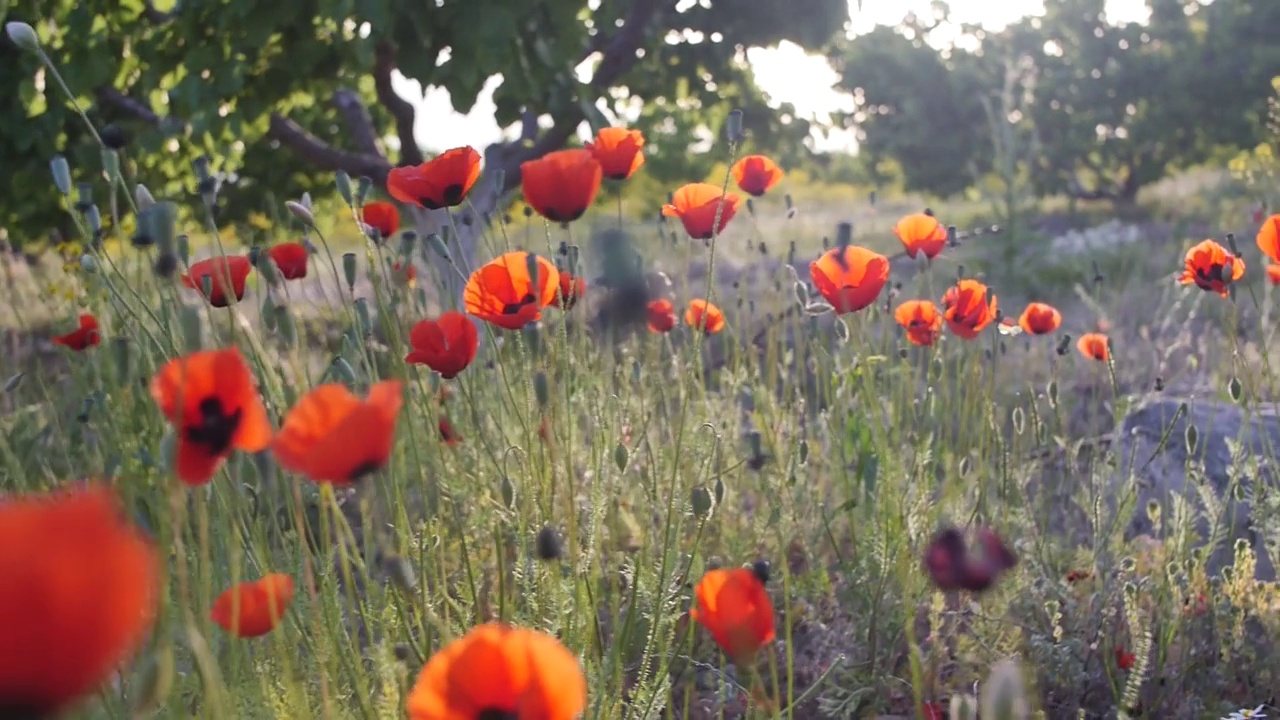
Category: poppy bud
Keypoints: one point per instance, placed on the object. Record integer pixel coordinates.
(88, 264)
(499, 180)
(700, 501)
(620, 457)
(143, 197)
(166, 264)
(192, 326)
(349, 269)
(184, 247)
(344, 186)
(1052, 393)
(508, 490)
(363, 185)
(733, 127)
(342, 370)
(966, 464)
(1019, 421)
(408, 239)
(548, 546)
(760, 569)
(718, 491)
(61, 173)
(540, 389)
(23, 35)
(402, 652)
(13, 382)
(302, 212)
(111, 164)
(286, 325)
(400, 570)
(751, 207)
(436, 243)
(364, 323)
(1192, 438)
(1235, 389)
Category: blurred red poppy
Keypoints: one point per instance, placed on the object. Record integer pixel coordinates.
(291, 259)
(921, 233)
(662, 316)
(1273, 273)
(850, 278)
(333, 436)
(969, 308)
(572, 288)
(383, 217)
(448, 435)
(447, 344)
(619, 151)
(561, 185)
(1125, 659)
(704, 316)
(253, 609)
(1094, 346)
(226, 278)
(697, 205)
(440, 182)
(921, 320)
(952, 565)
(83, 337)
(756, 174)
(1269, 238)
(1040, 319)
(511, 290)
(210, 399)
(735, 607)
(1211, 267)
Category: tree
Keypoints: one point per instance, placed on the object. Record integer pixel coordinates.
(280, 95)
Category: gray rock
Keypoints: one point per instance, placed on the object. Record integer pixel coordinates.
(1161, 471)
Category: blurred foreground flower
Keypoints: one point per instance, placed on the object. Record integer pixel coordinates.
(1269, 238)
(952, 565)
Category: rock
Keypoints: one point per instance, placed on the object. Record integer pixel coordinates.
(1161, 473)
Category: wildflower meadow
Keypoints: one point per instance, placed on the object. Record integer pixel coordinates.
(413, 452)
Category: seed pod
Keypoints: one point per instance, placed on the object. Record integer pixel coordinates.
(620, 457)
(700, 500)
(549, 546)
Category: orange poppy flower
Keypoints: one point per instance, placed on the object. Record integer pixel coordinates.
(80, 592)
(1094, 346)
(756, 174)
(448, 435)
(83, 337)
(699, 312)
(619, 151)
(511, 290)
(1040, 319)
(225, 273)
(333, 436)
(1269, 238)
(499, 671)
(850, 278)
(291, 259)
(561, 185)
(440, 182)
(662, 316)
(405, 273)
(1211, 267)
(735, 607)
(447, 344)
(696, 204)
(921, 233)
(383, 217)
(254, 608)
(921, 320)
(210, 399)
(968, 309)
(1273, 273)
(571, 290)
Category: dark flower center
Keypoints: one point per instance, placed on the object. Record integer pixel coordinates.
(516, 307)
(18, 711)
(216, 427)
(496, 714)
(1213, 274)
(453, 194)
(555, 215)
(368, 467)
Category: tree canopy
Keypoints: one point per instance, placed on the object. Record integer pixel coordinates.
(280, 95)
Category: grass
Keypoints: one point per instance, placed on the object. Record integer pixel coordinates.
(829, 449)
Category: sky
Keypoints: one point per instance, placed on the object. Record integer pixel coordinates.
(785, 73)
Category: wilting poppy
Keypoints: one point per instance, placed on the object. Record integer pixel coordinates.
(954, 566)
(382, 216)
(404, 273)
(921, 233)
(511, 290)
(1040, 319)
(291, 259)
(921, 320)
(1093, 346)
(561, 185)
(80, 592)
(253, 608)
(1269, 238)
(440, 182)
(1273, 273)
(699, 312)
(1210, 266)
(499, 671)
(572, 288)
(697, 204)
(333, 436)
(662, 316)
(968, 308)
(227, 275)
(850, 277)
(735, 607)
(447, 344)
(83, 337)
(210, 399)
(619, 151)
(448, 435)
(1125, 659)
(756, 174)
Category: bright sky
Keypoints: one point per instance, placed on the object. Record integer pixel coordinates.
(785, 73)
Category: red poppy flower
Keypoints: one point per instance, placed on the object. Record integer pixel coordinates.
(499, 671)
(756, 174)
(291, 259)
(382, 216)
(441, 182)
(1076, 576)
(968, 308)
(1211, 267)
(447, 344)
(952, 565)
(1273, 273)
(933, 711)
(696, 204)
(662, 316)
(511, 290)
(699, 312)
(921, 233)
(850, 278)
(572, 289)
(210, 399)
(405, 274)
(619, 151)
(1040, 319)
(333, 436)
(448, 435)
(253, 609)
(1094, 346)
(227, 275)
(1125, 659)
(1269, 238)
(921, 320)
(561, 185)
(80, 592)
(735, 607)
(83, 337)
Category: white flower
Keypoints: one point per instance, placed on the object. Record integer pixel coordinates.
(1245, 714)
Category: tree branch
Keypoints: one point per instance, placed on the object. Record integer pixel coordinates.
(357, 121)
(323, 155)
(122, 103)
(402, 111)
